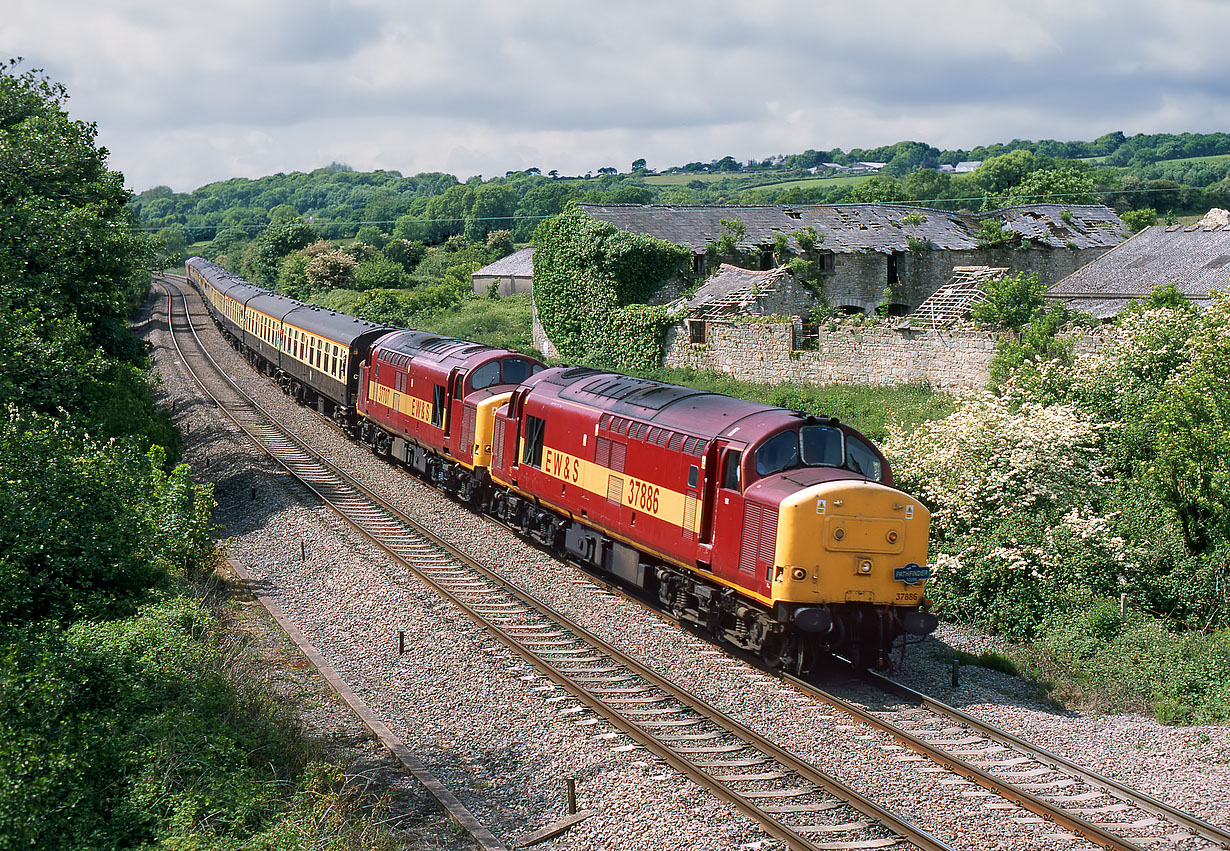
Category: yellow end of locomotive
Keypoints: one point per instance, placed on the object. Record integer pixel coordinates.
(851, 542)
(484, 428)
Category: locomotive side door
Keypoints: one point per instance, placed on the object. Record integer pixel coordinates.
(727, 528)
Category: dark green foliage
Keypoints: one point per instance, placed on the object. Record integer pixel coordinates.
(120, 733)
(270, 248)
(403, 308)
(585, 271)
(87, 531)
(378, 273)
(405, 253)
(1011, 301)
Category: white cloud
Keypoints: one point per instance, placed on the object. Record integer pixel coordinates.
(187, 94)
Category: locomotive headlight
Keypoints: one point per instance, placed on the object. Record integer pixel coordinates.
(892, 536)
(799, 573)
(864, 566)
(839, 533)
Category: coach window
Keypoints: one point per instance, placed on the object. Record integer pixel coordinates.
(730, 470)
(534, 428)
(335, 351)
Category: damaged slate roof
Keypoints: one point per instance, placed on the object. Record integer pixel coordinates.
(849, 228)
(1196, 259)
(730, 291)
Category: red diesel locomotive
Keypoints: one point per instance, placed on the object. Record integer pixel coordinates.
(777, 531)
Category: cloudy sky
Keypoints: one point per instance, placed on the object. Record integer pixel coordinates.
(188, 93)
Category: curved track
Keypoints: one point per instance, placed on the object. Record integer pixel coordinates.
(1085, 803)
(793, 801)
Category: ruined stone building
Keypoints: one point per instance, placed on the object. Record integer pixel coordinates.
(864, 250)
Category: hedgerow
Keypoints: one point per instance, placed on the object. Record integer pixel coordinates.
(587, 276)
(1083, 478)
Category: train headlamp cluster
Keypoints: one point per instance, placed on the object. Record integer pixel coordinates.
(799, 573)
(892, 536)
(864, 566)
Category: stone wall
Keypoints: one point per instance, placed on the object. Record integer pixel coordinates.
(760, 351)
(859, 280)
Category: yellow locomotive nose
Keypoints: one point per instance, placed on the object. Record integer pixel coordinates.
(851, 542)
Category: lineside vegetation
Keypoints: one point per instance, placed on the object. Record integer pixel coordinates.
(119, 725)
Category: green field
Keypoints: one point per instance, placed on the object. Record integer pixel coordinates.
(1214, 158)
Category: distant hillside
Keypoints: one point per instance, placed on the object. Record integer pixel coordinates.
(1181, 174)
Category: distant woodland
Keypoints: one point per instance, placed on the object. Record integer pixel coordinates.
(1175, 174)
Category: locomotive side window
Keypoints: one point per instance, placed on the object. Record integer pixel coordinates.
(486, 375)
(534, 428)
(862, 459)
(821, 446)
(730, 470)
(693, 476)
(437, 406)
(780, 452)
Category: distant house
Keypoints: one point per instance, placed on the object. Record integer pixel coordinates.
(867, 250)
(1195, 258)
(966, 166)
(511, 274)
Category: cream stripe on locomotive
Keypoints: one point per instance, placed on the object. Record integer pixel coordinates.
(673, 507)
(403, 403)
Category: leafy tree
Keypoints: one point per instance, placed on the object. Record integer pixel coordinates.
(1064, 185)
(638, 164)
(500, 243)
(405, 253)
(333, 269)
(265, 256)
(379, 273)
(1193, 420)
(1012, 301)
(493, 208)
(372, 235)
(1138, 220)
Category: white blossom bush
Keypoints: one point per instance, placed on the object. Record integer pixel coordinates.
(1016, 494)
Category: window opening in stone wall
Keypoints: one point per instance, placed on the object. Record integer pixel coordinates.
(696, 331)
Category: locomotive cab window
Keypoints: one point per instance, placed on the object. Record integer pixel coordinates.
(486, 375)
(534, 428)
(821, 446)
(780, 452)
(861, 458)
(516, 370)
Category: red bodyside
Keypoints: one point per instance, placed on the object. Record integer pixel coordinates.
(632, 476)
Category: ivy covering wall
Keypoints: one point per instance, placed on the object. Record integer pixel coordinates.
(590, 283)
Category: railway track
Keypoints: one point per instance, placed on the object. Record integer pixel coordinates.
(1082, 802)
(790, 799)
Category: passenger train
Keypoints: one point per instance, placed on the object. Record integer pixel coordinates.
(778, 532)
